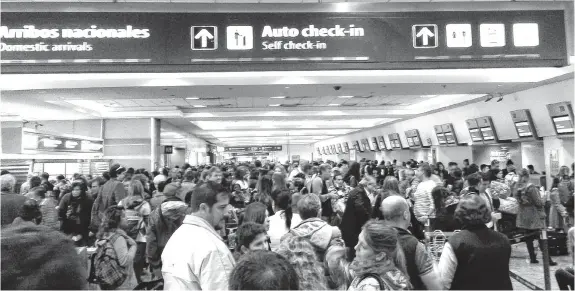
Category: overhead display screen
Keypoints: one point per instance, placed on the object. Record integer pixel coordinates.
(397, 40)
(375, 145)
(563, 124)
(487, 133)
(523, 129)
(345, 146)
(449, 137)
(475, 134)
(381, 141)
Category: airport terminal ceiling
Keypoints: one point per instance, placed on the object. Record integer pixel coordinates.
(278, 93)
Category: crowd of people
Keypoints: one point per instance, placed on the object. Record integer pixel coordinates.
(300, 226)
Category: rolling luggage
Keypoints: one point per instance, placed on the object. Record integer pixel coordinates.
(557, 242)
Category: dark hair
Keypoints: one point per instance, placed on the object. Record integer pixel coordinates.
(207, 193)
(457, 173)
(115, 170)
(255, 212)
(106, 175)
(46, 176)
(161, 186)
(39, 258)
(354, 170)
(283, 202)
(247, 232)
(101, 181)
(258, 164)
(509, 162)
(263, 270)
(466, 160)
(493, 174)
(452, 164)
(483, 166)
(474, 179)
(35, 182)
(30, 211)
(485, 177)
(111, 220)
(60, 177)
(473, 168)
(439, 194)
(556, 182)
(165, 172)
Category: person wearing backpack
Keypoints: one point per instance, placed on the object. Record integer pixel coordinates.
(109, 194)
(379, 263)
(162, 223)
(531, 214)
(137, 212)
(112, 263)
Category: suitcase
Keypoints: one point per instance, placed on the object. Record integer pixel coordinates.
(557, 242)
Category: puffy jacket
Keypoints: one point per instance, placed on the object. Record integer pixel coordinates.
(531, 213)
(196, 258)
(320, 234)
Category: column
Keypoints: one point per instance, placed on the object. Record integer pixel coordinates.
(155, 125)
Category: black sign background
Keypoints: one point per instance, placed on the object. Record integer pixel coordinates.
(387, 43)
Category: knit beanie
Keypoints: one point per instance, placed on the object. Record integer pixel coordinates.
(36, 257)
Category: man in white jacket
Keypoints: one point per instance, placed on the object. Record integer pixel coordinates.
(196, 257)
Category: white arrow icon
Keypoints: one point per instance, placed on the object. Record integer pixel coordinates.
(204, 35)
(426, 34)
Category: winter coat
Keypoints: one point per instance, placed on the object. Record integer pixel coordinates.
(321, 235)
(110, 194)
(357, 212)
(196, 258)
(162, 223)
(531, 214)
(75, 214)
(10, 204)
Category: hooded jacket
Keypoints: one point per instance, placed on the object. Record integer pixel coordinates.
(196, 258)
(162, 223)
(320, 234)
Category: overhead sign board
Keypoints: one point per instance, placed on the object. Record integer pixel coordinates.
(273, 148)
(53, 143)
(252, 154)
(397, 40)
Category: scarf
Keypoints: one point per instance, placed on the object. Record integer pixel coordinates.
(386, 269)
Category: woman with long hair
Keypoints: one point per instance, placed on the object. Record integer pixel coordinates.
(280, 222)
(445, 205)
(279, 182)
(256, 212)
(390, 187)
(125, 247)
(379, 263)
(74, 211)
(263, 193)
(353, 176)
(301, 255)
(441, 171)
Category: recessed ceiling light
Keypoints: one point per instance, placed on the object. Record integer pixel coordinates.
(287, 87)
(345, 96)
(199, 106)
(193, 98)
(274, 105)
(278, 97)
(333, 104)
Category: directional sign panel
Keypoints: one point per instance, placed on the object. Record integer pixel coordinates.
(424, 35)
(204, 37)
(44, 42)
